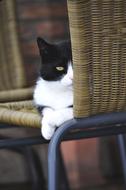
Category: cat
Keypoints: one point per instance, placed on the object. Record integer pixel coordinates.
(53, 93)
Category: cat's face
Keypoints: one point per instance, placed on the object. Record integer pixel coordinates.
(56, 62)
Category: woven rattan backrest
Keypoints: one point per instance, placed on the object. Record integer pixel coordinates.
(11, 67)
(98, 34)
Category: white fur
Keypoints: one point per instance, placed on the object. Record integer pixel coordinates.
(57, 95)
(67, 80)
(54, 118)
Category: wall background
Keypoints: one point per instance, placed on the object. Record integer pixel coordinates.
(45, 18)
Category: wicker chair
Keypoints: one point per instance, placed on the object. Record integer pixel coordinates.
(16, 105)
(99, 52)
(98, 36)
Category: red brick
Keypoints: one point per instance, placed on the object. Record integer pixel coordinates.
(30, 49)
(37, 18)
(26, 30)
(47, 29)
(31, 69)
(35, 11)
(51, 29)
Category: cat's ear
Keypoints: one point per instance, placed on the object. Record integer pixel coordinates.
(43, 45)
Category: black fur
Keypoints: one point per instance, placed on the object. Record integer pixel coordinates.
(40, 108)
(52, 56)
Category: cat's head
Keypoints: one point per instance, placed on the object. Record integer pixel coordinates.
(56, 61)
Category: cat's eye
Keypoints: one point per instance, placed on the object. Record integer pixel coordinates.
(59, 68)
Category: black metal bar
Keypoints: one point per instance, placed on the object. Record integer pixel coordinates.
(9, 143)
(95, 132)
(75, 135)
(85, 123)
(33, 170)
(6, 126)
(63, 183)
(122, 148)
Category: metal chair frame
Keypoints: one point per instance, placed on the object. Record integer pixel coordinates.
(94, 126)
(23, 146)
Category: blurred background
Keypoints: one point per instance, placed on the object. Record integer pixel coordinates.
(90, 163)
(45, 18)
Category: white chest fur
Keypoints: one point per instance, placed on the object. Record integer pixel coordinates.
(53, 94)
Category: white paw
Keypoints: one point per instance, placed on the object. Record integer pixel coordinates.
(47, 130)
(52, 119)
(63, 115)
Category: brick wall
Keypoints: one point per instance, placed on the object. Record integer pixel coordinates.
(45, 18)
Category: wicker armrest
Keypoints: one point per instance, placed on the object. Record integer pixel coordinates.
(16, 95)
(20, 113)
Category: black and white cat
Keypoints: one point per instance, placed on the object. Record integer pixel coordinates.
(53, 92)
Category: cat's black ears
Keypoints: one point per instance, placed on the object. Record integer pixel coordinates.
(42, 44)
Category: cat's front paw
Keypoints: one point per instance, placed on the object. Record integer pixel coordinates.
(47, 130)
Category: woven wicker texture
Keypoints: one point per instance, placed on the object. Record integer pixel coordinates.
(16, 95)
(98, 35)
(11, 67)
(20, 113)
(12, 79)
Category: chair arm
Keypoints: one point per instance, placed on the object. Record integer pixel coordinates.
(21, 113)
(16, 95)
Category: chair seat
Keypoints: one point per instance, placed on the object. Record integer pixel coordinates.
(21, 113)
